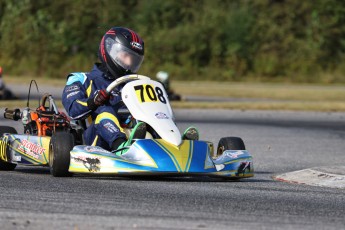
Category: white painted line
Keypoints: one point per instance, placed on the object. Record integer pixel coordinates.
(314, 178)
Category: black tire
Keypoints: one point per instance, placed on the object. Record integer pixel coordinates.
(8, 95)
(230, 143)
(174, 97)
(7, 129)
(6, 166)
(61, 144)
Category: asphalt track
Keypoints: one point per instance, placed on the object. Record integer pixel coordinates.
(280, 142)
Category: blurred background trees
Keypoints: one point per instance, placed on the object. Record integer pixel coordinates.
(233, 40)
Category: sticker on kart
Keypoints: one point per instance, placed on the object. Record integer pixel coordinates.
(149, 93)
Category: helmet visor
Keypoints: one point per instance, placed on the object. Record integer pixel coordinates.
(124, 57)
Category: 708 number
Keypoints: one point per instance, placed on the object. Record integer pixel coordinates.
(149, 94)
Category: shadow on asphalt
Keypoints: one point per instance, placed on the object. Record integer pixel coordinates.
(45, 171)
(33, 170)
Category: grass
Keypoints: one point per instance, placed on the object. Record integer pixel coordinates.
(274, 91)
(40, 80)
(253, 96)
(287, 106)
(268, 96)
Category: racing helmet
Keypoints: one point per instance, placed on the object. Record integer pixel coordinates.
(121, 51)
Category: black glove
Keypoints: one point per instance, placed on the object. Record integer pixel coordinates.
(100, 98)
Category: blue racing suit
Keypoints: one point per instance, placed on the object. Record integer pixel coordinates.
(104, 125)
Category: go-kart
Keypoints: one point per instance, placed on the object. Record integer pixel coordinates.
(6, 94)
(163, 77)
(42, 128)
(163, 152)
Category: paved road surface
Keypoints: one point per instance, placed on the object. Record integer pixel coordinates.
(280, 142)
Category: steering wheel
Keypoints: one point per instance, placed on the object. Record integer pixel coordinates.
(124, 80)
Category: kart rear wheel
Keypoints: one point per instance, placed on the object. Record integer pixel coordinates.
(230, 143)
(60, 146)
(6, 166)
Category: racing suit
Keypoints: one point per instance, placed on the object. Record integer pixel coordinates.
(104, 124)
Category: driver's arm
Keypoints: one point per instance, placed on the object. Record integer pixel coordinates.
(75, 96)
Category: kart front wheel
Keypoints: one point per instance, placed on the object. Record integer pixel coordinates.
(230, 143)
(61, 144)
(6, 166)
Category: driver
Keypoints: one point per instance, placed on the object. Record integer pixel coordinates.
(121, 52)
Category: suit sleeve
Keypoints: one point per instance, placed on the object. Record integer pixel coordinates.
(75, 95)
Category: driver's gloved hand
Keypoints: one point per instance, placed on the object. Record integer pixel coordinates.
(99, 98)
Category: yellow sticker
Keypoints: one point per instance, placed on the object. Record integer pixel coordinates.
(149, 93)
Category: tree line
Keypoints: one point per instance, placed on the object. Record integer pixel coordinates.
(232, 40)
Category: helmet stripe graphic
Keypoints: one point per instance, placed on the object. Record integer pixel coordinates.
(112, 32)
(102, 50)
(134, 36)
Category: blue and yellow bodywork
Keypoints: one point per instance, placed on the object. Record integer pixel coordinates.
(24, 149)
(156, 156)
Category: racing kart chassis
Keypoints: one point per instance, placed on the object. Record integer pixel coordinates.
(162, 153)
(157, 157)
